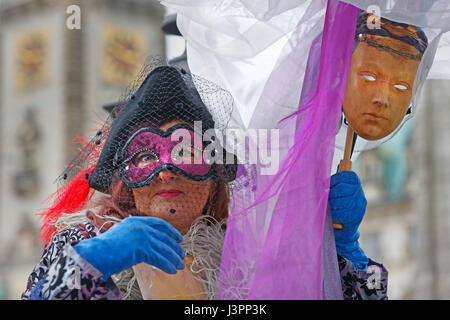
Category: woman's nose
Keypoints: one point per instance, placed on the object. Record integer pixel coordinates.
(167, 176)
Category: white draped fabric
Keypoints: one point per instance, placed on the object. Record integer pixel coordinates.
(237, 43)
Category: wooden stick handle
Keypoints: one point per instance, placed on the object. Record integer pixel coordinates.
(346, 163)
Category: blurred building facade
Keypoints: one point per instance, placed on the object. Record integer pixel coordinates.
(55, 78)
(407, 185)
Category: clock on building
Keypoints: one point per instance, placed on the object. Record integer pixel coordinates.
(31, 59)
(123, 55)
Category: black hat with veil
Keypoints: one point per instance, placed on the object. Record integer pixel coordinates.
(190, 147)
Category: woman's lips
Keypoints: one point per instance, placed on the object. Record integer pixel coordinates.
(168, 193)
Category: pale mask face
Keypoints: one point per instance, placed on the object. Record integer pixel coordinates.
(379, 88)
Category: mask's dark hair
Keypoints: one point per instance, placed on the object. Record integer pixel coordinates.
(409, 34)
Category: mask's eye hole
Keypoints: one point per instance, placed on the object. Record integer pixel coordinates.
(401, 87)
(144, 159)
(187, 153)
(368, 77)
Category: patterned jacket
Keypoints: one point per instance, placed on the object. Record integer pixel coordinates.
(63, 274)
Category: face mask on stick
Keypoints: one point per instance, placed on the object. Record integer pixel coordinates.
(380, 81)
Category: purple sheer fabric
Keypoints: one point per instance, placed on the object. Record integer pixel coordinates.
(332, 284)
(273, 244)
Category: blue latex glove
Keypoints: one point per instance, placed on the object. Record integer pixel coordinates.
(348, 206)
(132, 241)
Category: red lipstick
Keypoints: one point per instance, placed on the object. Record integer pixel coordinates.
(168, 193)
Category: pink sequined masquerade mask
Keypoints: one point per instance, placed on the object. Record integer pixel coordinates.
(151, 150)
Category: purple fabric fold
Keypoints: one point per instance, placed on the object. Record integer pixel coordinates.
(332, 284)
(273, 244)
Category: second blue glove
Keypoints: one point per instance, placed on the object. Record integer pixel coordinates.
(348, 206)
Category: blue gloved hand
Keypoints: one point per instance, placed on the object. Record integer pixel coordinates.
(132, 241)
(348, 206)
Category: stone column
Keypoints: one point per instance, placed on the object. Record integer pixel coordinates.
(433, 201)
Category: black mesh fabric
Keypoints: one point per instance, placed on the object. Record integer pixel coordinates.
(167, 93)
(163, 96)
